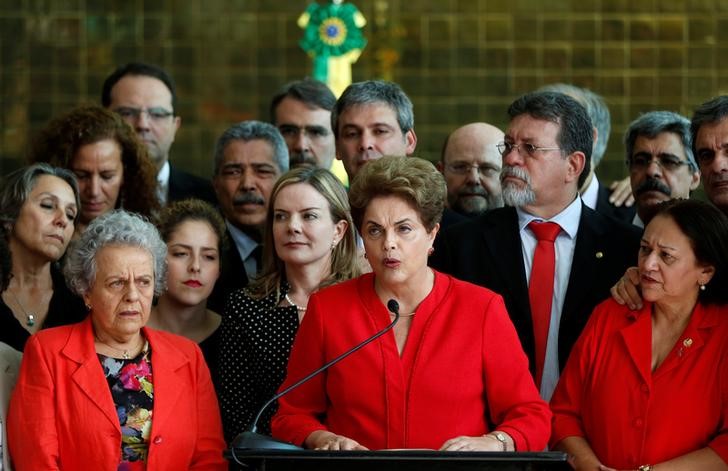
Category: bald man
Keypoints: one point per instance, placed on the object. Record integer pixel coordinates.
(471, 165)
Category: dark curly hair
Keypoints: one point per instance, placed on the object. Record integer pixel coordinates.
(192, 210)
(59, 141)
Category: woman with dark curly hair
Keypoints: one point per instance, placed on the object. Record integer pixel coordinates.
(110, 162)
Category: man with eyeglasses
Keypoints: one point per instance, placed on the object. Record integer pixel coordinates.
(660, 160)
(144, 96)
(471, 165)
(301, 111)
(550, 280)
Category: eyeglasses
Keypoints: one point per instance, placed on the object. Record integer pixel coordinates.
(155, 114)
(505, 148)
(669, 163)
(462, 168)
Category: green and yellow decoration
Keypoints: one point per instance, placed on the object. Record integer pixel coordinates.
(332, 37)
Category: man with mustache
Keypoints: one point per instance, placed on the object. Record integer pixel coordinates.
(471, 165)
(709, 137)
(546, 157)
(660, 161)
(248, 159)
(301, 111)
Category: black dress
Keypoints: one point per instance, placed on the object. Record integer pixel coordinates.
(64, 308)
(256, 340)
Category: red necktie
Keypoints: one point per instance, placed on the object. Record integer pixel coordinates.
(541, 287)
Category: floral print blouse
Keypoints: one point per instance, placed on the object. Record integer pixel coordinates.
(132, 390)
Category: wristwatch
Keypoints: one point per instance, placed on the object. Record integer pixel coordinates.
(501, 437)
(645, 467)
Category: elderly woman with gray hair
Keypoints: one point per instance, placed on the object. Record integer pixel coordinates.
(109, 393)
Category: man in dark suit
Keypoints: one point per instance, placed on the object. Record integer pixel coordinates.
(546, 157)
(249, 158)
(144, 95)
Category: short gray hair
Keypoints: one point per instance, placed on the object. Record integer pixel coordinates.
(249, 131)
(597, 110)
(371, 92)
(656, 122)
(18, 185)
(117, 228)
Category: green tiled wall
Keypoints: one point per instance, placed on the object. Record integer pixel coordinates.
(460, 61)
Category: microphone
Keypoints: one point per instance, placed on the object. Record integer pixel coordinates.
(251, 440)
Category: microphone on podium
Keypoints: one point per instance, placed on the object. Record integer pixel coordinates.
(251, 440)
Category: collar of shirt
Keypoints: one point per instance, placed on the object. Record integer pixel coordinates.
(589, 197)
(637, 221)
(163, 183)
(568, 219)
(245, 245)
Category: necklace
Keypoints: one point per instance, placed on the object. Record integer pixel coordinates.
(289, 301)
(124, 353)
(29, 316)
(405, 315)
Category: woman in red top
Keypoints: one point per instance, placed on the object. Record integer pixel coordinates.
(451, 375)
(648, 389)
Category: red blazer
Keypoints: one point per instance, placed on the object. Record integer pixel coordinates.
(631, 415)
(62, 416)
(461, 370)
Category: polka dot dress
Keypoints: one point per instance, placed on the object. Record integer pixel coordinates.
(256, 340)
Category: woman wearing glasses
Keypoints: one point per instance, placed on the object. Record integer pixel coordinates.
(109, 161)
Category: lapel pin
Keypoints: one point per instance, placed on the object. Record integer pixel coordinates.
(688, 342)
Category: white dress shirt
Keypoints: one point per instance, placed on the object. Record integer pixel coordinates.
(564, 245)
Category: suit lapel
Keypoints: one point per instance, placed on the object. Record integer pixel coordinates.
(502, 239)
(585, 262)
(89, 376)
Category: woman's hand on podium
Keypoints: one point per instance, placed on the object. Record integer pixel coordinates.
(482, 443)
(325, 440)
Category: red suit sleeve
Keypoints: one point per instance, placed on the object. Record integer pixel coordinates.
(513, 400)
(299, 412)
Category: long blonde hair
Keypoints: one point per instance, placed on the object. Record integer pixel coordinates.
(344, 264)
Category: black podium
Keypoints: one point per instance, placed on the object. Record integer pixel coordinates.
(399, 460)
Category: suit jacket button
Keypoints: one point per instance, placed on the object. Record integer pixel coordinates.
(157, 440)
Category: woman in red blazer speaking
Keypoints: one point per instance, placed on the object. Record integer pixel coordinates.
(109, 393)
(451, 375)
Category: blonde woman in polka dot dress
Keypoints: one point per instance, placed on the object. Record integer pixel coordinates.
(309, 243)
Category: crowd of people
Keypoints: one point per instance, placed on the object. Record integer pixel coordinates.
(514, 301)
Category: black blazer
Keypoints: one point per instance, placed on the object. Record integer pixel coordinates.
(232, 277)
(487, 251)
(621, 213)
(184, 185)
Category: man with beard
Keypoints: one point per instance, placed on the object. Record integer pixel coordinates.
(471, 165)
(249, 157)
(593, 192)
(546, 156)
(660, 161)
(301, 111)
